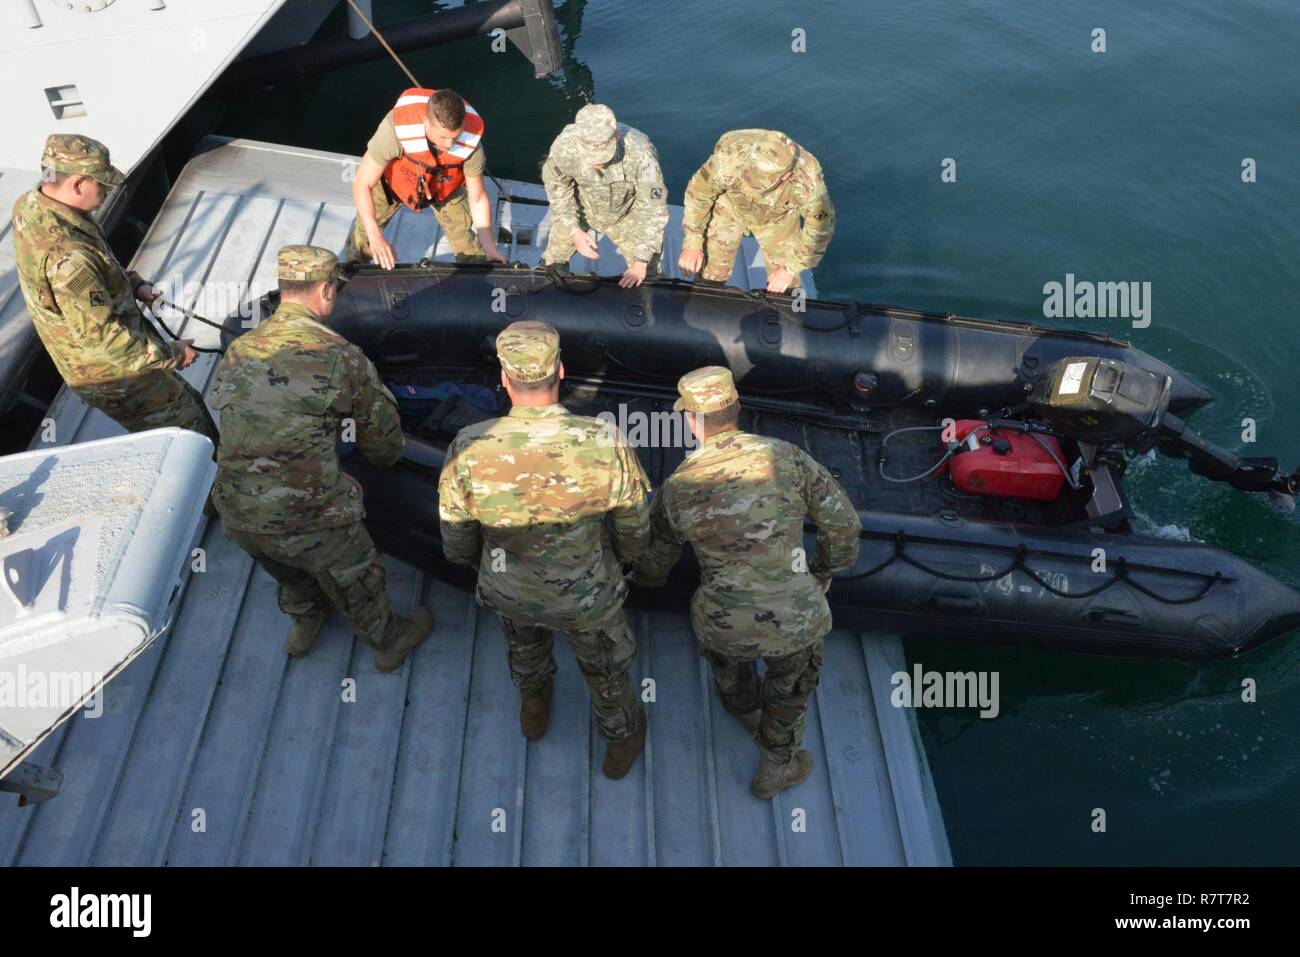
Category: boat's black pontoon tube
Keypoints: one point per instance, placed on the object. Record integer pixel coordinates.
(836, 355)
(944, 575)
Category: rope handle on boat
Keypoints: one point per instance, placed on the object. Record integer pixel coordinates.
(1121, 574)
(585, 284)
(574, 285)
(761, 295)
(635, 371)
(580, 284)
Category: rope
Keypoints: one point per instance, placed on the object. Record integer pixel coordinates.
(167, 329)
(759, 295)
(191, 315)
(646, 373)
(575, 285)
(378, 36)
(635, 371)
(1121, 574)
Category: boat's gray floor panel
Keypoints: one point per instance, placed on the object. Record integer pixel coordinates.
(214, 748)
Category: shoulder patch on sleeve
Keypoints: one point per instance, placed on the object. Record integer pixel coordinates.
(78, 279)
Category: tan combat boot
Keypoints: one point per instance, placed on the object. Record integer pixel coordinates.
(415, 627)
(302, 635)
(535, 709)
(775, 775)
(621, 754)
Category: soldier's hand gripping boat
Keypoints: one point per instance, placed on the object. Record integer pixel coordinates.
(986, 458)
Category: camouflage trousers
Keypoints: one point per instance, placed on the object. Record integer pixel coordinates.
(328, 566)
(727, 228)
(560, 248)
(782, 694)
(453, 216)
(152, 402)
(604, 654)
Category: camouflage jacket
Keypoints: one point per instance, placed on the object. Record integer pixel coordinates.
(740, 500)
(81, 300)
(804, 195)
(630, 186)
(525, 499)
(284, 391)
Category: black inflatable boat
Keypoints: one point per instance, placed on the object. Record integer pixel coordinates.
(872, 392)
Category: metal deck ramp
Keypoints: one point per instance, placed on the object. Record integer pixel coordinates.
(214, 749)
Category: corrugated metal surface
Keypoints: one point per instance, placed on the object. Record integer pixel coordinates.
(215, 749)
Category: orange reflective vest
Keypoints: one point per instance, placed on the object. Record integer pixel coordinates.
(420, 176)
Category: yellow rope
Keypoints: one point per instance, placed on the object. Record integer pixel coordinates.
(380, 38)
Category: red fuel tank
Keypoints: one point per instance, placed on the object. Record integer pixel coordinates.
(1005, 462)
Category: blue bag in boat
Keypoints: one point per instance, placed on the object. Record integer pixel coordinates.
(414, 399)
(445, 407)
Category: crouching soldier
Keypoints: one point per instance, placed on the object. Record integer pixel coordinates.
(740, 499)
(427, 151)
(761, 183)
(285, 392)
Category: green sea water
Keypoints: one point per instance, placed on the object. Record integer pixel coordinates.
(1123, 165)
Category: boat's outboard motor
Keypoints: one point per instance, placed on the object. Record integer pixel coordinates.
(1108, 402)
(1101, 400)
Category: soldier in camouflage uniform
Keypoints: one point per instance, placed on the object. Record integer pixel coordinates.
(287, 391)
(83, 303)
(740, 499)
(602, 175)
(524, 499)
(763, 183)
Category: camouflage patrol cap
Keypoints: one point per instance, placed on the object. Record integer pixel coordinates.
(529, 350)
(80, 155)
(706, 390)
(306, 264)
(771, 156)
(597, 133)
